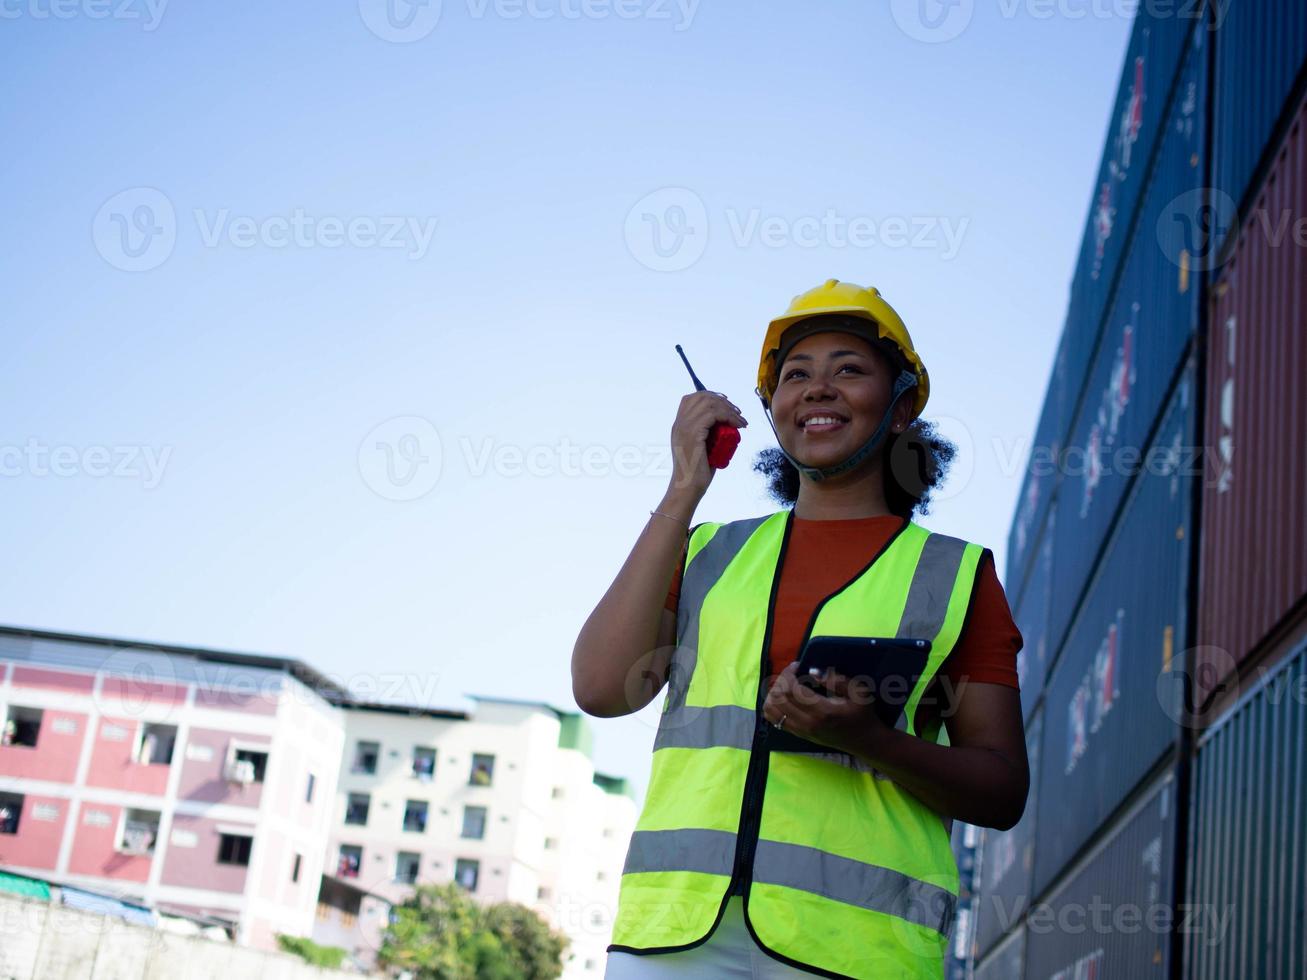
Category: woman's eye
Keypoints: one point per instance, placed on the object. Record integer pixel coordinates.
(792, 372)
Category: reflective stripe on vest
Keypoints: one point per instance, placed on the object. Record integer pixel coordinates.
(839, 853)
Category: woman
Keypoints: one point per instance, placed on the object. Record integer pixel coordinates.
(788, 831)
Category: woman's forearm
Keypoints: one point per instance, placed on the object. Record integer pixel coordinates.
(976, 785)
(617, 666)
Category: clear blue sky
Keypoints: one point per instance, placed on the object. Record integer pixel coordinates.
(196, 372)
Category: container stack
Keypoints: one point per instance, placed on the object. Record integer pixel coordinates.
(1157, 561)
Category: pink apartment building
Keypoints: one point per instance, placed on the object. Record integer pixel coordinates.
(188, 779)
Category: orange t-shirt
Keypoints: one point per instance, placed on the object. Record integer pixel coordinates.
(823, 555)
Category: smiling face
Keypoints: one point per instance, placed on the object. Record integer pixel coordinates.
(831, 393)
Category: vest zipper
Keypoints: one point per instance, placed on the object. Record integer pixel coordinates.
(755, 780)
(746, 838)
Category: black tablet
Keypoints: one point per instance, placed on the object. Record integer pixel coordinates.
(891, 665)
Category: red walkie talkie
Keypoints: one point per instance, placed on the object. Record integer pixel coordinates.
(723, 437)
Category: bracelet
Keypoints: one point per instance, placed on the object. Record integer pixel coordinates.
(671, 518)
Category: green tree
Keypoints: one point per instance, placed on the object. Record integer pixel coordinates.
(441, 933)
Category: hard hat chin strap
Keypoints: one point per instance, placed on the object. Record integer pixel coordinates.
(905, 382)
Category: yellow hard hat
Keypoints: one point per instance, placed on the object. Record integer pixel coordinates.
(850, 299)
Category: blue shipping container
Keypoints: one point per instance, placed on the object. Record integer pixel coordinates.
(1261, 46)
(1111, 708)
(1031, 616)
(1007, 962)
(1143, 110)
(1006, 862)
(1153, 320)
(1114, 914)
(1040, 478)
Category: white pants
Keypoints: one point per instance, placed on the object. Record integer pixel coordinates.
(729, 952)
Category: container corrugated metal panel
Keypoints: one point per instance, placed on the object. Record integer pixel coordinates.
(1260, 49)
(1152, 322)
(1040, 478)
(1031, 616)
(1006, 862)
(1113, 915)
(1254, 544)
(1109, 714)
(1143, 104)
(1248, 836)
(1007, 962)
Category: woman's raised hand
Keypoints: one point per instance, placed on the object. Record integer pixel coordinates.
(699, 411)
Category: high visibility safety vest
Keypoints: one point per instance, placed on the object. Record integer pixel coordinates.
(843, 873)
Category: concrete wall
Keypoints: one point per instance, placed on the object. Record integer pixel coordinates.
(39, 941)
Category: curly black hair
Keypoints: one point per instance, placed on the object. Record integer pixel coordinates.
(917, 461)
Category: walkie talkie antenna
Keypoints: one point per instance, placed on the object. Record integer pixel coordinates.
(698, 385)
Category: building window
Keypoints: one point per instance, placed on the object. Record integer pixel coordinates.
(601, 876)
(557, 794)
(608, 831)
(234, 849)
(295, 869)
(11, 809)
(308, 789)
(542, 892)
(356, 809)
(351, 860)
(138, 832)
(474, 822)
(466, 872)
(246, 765)
(550, 843)
(415, 816)
(424, 763)
(155, 745)
(366, 755)
(22, 726)
(406, 867)
(483, 770)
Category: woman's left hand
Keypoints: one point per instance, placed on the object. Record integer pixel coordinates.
(844, 720)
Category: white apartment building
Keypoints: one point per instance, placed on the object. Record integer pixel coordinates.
(505, 801)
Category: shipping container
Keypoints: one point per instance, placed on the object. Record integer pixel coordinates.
(1114, 914)
(1111, 707)
(1253, 568)
(1006, 861)
(1260, 49)
(1030, 613)
(1150, 328)
(1006, 962)
(1039, 480)
(1248, 835)
(1145, 106)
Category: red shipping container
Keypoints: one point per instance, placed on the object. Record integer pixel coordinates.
(1254, 516)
